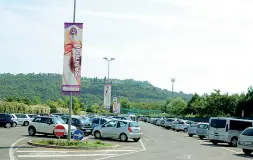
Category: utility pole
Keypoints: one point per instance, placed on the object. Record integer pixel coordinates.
(108, 73)
(172, 90)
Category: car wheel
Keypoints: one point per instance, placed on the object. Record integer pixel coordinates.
(201, 137)
(7, 125)
(123, 137)
(247, 152)
(26, 123)
(233, 142)
(31, 131)
(14, 124)
(136, 139)
(190, 135)
(214, 142)
(185, 130)
(97, 135)
(177, 130)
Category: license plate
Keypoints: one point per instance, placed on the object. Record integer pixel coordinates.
(87, 130)
(247, 143)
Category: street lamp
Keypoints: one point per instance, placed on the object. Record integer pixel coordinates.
(173, 81)
(108, 60)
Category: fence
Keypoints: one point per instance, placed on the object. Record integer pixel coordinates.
(139, 111)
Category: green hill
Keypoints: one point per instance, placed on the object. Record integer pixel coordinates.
(46, 86)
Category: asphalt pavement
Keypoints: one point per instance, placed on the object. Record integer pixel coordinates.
(157, 143)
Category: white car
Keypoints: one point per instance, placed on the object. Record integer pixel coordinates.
(245, 141)
(182, 125)
(119, 129)
(46, 125)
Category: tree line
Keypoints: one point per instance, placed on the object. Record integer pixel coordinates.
(213, 104)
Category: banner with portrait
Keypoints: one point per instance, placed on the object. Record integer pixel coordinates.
(107, 96)
(71, 78)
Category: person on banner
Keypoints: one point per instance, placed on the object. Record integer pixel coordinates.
(69, 76)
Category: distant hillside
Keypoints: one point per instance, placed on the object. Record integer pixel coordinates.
(48, 86)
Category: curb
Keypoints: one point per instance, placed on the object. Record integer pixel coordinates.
(71, 147)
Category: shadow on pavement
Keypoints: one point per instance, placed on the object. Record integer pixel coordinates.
(244, 156)
(40, 136)
(218, 145)
(7, 147)
(112, 140)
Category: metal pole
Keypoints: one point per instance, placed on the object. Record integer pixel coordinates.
(172, 90)
(108, 71)
(71, 96)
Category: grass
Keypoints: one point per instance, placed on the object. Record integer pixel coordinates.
(72, 143)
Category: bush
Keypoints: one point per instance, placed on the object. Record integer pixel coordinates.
(16, 107)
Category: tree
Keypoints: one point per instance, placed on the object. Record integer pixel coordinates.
(176, 106)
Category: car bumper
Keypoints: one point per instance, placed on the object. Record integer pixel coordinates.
(134, 135)
(244, 147)
(87, 130)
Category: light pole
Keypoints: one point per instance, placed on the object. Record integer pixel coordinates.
(108, 60)
(173, 81)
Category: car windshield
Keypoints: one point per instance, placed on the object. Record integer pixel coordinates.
(58, 121)
(85, 120)
(134, 124)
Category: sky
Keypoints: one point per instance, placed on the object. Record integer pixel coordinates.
(204, 45)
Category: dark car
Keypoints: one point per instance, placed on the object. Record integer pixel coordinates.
(6, 120)
(80, 123)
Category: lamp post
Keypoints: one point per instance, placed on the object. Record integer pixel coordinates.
(108, 60)
(173, 81)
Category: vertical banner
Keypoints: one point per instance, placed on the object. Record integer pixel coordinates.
(116, 105)
(107, 96)
(71, 78)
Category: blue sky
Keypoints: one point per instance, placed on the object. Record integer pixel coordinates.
(205, 45)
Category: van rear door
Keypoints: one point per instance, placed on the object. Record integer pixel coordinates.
(217, 129)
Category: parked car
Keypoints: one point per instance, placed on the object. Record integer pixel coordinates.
(174, 123)
(6, 120)
(168, 123)
(192, 129)
(23, 119)
(46, 125)
(15, 119)
(245, 141)
(202, 130)
(99, 121)
(119, 129)
(182, 125)
(80, 123)
(158, 122)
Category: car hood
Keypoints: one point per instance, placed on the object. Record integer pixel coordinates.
(66, 127)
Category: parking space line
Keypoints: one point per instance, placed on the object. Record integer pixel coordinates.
(230, 150)
(64, 155)
(143, 146)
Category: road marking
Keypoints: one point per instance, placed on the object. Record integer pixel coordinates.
(63, 155)
(18, 147)
(174, 142)
(11, 148)
(143, 146)
(34, 151)
(230, 150)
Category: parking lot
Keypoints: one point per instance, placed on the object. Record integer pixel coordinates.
(156, 143)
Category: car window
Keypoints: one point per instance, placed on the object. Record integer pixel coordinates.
(248, 132)
(111, 124)
(121, 124)
(45, 120)
(19, 115)
(74, 120)
(38, 119)
(218, 123)
(95, 121)
(103, 121)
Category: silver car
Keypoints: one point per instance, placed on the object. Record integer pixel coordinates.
(202, 130)
(118, 129)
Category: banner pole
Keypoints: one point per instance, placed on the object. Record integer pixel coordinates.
(71, 95)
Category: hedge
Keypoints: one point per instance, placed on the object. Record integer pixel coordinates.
(15, 107)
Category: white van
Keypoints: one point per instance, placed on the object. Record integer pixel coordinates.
(226, 130)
